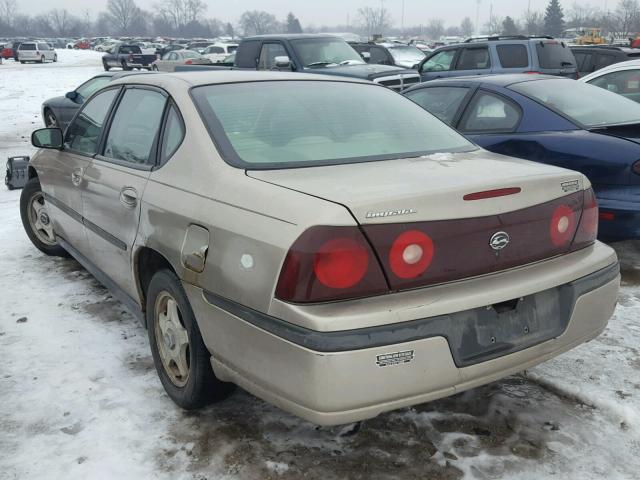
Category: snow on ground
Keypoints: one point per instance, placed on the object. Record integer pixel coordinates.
(80, 399)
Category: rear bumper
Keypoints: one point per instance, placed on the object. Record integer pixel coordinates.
(339, 377)
(619, 212)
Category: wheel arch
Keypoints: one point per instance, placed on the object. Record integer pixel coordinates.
(148, 261)
(31, 172)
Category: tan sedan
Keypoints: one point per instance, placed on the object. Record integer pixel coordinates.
(171, 60)
(324, 243)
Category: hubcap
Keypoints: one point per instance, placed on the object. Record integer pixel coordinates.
(39, 219)
(172, 339)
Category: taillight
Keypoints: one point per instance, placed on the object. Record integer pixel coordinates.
(532, 72)
(636, 168)
(562, 227)
(588, 228)
(130, 58)
(330, 263)
(411, 254)
(188, 62)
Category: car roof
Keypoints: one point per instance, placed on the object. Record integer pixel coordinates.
(210, 77)
(499, 80)
(291, 36)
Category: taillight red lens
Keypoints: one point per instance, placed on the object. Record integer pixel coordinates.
(411, 254)
(563, 225)
(636, 168)
(330, 263)
(588, 228)
(341, 263)
(188, 62)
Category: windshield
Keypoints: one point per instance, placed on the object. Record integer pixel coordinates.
(290, 123)
(407, 54)
(554, 54)
(584, 104)
(321, 52)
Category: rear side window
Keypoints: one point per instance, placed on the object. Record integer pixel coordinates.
(625, 82)
(474, 59)
(581, 59)
(135, 126)
(604, 60)
(215, 50)
(513, 56)
(490, 113)
(172, 136)
(443, 102)
(84, 132)
(554, 55)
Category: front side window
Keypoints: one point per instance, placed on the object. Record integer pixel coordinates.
(305, 123)
(83, 135)
(490, 113)
(513, 56)
(443, 102)
(624, 82)
(268, 55)
(135, 126)
(582, 103)
(474, 59)
(439, 62)
(86, 89)
(378, 56)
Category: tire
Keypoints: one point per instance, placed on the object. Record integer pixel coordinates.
(199, 386)
(32, 193)
(154, 68)
(106, 67)
(50, 119)
(22, 62)
(55, 58)
(124, 66)
(42, 59)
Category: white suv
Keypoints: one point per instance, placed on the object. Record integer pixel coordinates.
(36, 52)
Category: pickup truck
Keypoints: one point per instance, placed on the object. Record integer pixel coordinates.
(127, 57)
(312, 53)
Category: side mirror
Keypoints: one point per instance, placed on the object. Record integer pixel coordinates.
(366, 56)
(72, 95)
(283, 62)
(47, 138)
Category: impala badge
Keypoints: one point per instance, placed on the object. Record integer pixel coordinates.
(499, 240)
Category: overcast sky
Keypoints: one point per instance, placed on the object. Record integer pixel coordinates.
(332, 12)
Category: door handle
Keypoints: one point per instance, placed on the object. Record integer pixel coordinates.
(76, 176)
(129, 197)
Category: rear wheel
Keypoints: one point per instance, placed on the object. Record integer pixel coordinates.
(179, 353)
(105, 66)
(42, 59)
(123, 64)
(55, 58)
(36, 220)
(154, 68)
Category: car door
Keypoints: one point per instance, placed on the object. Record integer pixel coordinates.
(116, 179)
(63, 180)
(438, 65)
(473, 60)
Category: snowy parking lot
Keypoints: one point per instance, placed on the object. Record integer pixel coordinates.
(80, 399)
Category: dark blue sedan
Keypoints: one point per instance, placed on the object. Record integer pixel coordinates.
(556, 121)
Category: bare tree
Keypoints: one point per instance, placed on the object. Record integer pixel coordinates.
(580, 14)
(123, 14)
(258, 22)
(624, 19)
(435, 28)
(532, 23)
(374, 20)
(494, 25)
(466, 27)
(60, 21)
(179, 13)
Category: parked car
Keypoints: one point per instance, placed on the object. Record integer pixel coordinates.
(503, 54)
(198, 46)
(162, 51)
(218, 52)
(313, 53)
(555, 121)
(39, 52)
(6, 51)
(403, 256)
(592, 58)
(171, 60)
(82, 45)
(622, 78)
(399, 55)
(127, 57)
(59, 111)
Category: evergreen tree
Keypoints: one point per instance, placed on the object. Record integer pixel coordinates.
(293, 24)
(509, 27)
(554, 19)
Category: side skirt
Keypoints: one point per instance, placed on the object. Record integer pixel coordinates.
(102, 277)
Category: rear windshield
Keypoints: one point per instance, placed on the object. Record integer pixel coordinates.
(130, 49)
(304, 123)
(555, 55)
(27, 46)
(585, 104)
